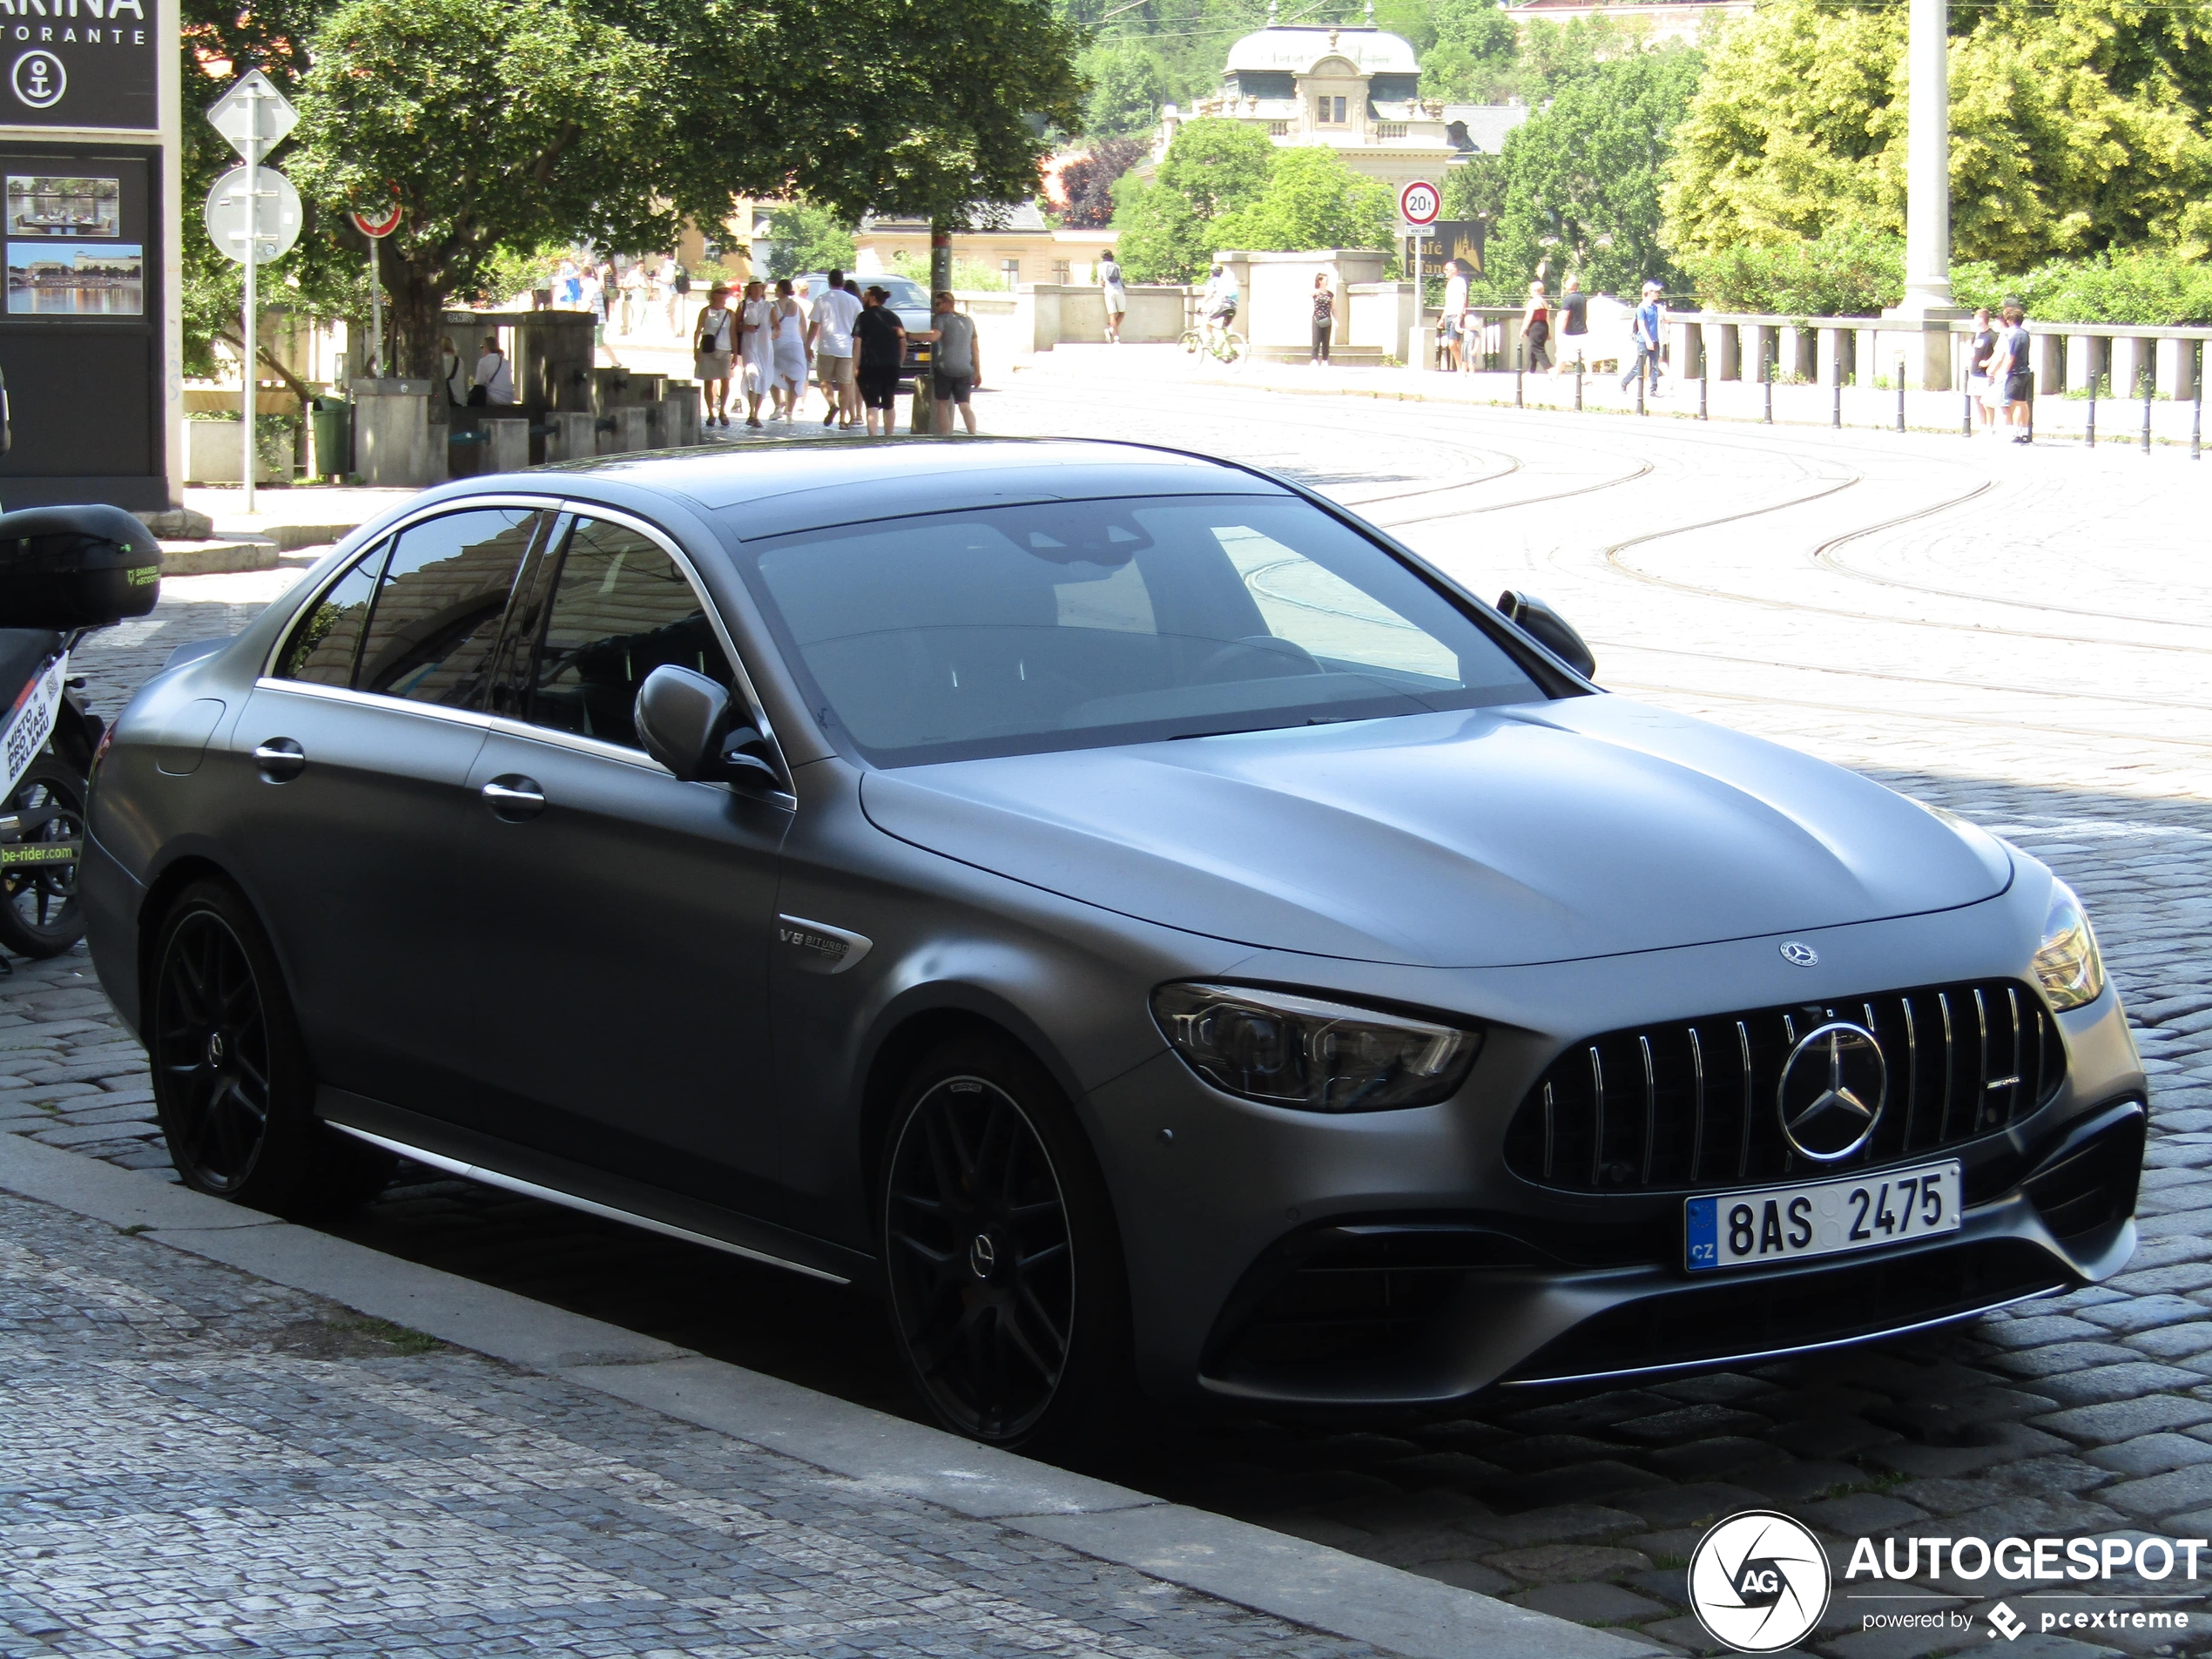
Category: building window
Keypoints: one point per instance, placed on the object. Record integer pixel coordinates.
(1061, 271)
(1329, 111)
(1011, 271)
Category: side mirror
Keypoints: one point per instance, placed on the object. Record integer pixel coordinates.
(689, 723)
(1548, 628)
(63, 568)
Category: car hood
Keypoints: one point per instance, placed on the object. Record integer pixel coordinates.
(1546, 832)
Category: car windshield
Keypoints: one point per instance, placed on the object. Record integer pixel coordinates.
(1015, 629)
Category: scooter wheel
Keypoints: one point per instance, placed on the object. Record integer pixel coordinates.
(40, 912)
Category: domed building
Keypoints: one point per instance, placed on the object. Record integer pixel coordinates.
(1357, 89)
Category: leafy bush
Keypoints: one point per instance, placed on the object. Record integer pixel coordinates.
(1851, 271)
(803, 238)
(2155, 289)
(968, 275)
(1312, 200)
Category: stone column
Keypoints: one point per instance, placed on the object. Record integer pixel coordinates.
(1835, 348)
(1927, 201)
(1721, 357)
(2084, 361)
(2177, 369)
(2050, 375)
(1690, 346)
(2130, 358)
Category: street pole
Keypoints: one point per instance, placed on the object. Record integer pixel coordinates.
(375, 315)
(1927, 193)
(2150, 387)
(246, 399)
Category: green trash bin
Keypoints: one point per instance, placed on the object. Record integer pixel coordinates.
(334, 419)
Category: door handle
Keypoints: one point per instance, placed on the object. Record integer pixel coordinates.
(513, 798)
(279, 760)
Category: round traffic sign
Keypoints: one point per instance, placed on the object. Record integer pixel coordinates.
(378, 224)
(1420, 203)
(276, 222)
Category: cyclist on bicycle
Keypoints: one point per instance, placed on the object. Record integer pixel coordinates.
(1220, 303)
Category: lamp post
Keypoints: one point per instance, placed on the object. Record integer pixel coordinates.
(1927, 201)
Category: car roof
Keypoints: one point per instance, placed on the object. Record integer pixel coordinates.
(784, 485)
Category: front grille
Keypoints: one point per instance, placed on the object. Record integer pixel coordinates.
(1772, 1312)
(1681, 1107)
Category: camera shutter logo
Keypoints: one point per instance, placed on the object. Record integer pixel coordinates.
(1759, 1581)
(38, 80)
(1832, 1087)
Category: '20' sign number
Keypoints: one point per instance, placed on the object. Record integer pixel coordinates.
(1420, 203)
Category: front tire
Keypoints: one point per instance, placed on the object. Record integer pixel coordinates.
(231, 1084)
(1002, 1270)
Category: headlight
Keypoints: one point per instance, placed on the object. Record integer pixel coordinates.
(2068, 965)
(1318, 1056)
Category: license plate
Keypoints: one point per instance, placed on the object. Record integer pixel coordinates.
(1821, 1218)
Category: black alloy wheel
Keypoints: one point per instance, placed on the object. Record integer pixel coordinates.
(230, 1079)
(981, 1249)
(210, 1052)
(40, 913)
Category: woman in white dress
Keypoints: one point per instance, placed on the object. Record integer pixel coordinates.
(759, 348)
(790, 350)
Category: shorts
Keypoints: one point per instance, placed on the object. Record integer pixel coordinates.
(1222, 314)
(2019, 388)
(711, 366)
(833, 371)
(879, 385)
(951, 388)
(1977, 384)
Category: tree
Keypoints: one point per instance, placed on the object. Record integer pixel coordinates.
(1124, 90)
(1313, 200)
(1166, 225)
(1476, 54)
(1582, 177)
(2075, 125)
(807, 239)
(504, 123)
(1088, 181)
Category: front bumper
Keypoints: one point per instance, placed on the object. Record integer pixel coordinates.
(1241, 1223)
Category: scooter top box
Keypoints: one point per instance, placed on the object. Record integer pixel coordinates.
(76, 567)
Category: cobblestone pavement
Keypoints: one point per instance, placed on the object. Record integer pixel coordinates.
(2018, 636)
(200, 1462)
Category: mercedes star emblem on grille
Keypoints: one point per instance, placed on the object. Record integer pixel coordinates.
(1801, 955)
(1832, 1091)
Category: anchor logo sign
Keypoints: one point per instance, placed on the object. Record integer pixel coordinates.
(38, 80)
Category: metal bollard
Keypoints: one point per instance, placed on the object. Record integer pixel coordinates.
(1640, 408)
(1704, 392)
(1766, 373)
(2196, 417)
(1837, 418)
(2089, 432)
(1578, 386)
(1966, 414)
(2149, 386)
(1901, 394)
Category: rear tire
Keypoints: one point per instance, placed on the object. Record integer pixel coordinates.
(1004, 1285)
(231, 1084)
(40, 912)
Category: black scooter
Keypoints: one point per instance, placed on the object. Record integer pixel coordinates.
(64, 572)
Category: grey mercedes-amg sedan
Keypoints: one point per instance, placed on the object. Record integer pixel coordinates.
(1157, 930)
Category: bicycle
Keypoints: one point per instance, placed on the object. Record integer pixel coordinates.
(1225, 345)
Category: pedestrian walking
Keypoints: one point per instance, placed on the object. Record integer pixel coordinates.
(456, 376)
(2010, 375)
(1455, 301)
(592, 296)
(757, 347)
(1116, 293)
(790, 319)
(633, 296)
(956, 366)
(1537, 329)
(1643, 330)
(1325, 318)
(713, 345)
(495, 386)
(830, 337)
(880, 347)
(1573, 322)
(567, 286)
(676, 284)
(1981, 346)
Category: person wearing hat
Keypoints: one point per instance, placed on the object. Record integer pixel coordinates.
(712, 346)
(1644, 329)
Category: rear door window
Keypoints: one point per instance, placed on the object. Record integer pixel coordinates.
(438, 607)
(621, 608)
(327, 636)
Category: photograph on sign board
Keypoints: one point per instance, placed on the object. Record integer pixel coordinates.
(76, 278)
(42, 206)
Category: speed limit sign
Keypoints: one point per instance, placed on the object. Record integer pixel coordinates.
(1420, 203)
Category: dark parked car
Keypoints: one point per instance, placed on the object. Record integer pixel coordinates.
(908, 297)
(1132, 913)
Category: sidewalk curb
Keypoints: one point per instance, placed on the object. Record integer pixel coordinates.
(1288, 1578)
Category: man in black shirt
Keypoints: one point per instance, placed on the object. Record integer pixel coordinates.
(1574, 323)
(879, 346)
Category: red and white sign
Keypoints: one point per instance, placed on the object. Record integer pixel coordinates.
(1420, 203)
(381, 226)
